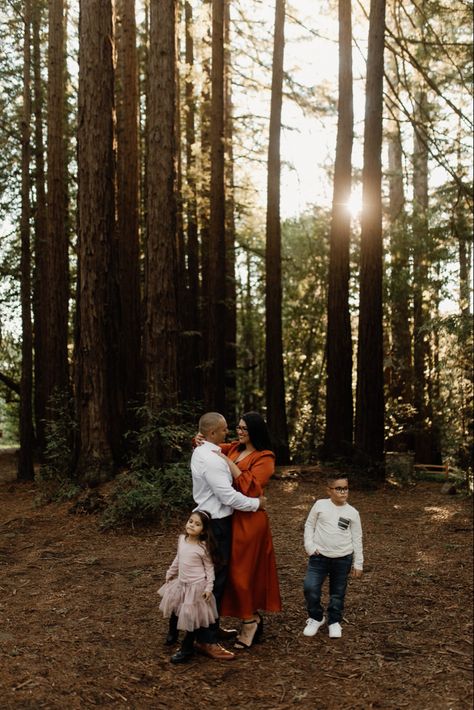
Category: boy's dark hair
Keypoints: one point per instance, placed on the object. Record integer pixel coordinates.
(207, 537)
(334, 477)
(257, 431)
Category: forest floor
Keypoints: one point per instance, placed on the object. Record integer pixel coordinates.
(80, 626)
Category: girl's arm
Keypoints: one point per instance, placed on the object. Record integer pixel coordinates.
(210, 574)
(173, 569)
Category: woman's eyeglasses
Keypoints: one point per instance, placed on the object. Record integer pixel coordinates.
(241, 428)
(339, 489)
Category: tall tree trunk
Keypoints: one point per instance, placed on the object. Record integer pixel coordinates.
(401, 384)
(231, 294)
(25, 460)
(193, 343)
(275, 378)
(420, 263)
(205, 197)
(127, 212)
(161, 329)
(54, 360)
(41, 275)
(248, 349)
(369, 423)
(96, 234)
(339, 415)
(215, 390)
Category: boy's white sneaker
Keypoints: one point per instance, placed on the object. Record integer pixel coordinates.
(312, 626)
(335, 631)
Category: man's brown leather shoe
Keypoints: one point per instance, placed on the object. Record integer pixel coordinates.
(226, 633)
(215, 651)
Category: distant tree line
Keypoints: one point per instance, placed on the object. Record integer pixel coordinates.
(147, 286)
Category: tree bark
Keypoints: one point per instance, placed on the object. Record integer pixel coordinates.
(275, 378)
(54, 360)
(129, 330)
(96, 234)
(161, 328)
(192, 342)
(204, 195)
(41, 276)
(401, 383)
(369, 423)
(231, 294)
(216, 314)
(339, 406)
(25, 460)
(420, 263)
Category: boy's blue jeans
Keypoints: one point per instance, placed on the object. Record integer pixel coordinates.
(319, 567)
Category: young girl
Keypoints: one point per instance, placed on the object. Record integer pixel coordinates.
(187, 597)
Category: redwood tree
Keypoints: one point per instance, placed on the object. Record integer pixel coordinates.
(369, 423)
(160, 328)
(339, 417)
(41, 275)
(191, 376)
(96, 229)
(216, 291)
(275, 381)
(53, 362)
(25, 460)
(127, 212)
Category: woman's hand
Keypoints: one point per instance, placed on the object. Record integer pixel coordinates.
(199, 439)
(234, 469)
(206, 596)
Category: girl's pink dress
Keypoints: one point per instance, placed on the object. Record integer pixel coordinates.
(191, 573)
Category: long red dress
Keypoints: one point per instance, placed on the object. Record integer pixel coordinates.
(252, 582)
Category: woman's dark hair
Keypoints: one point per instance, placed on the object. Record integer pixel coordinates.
(257, 431)
(207, 536)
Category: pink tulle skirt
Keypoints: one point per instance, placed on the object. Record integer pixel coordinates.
(186, 601)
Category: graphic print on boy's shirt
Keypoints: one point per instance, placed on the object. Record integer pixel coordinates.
(343, 523)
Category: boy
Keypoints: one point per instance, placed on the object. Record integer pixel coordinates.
(333, 541)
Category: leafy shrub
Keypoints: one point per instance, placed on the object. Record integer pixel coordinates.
(149, 492)
(156, 495)
(55, 479)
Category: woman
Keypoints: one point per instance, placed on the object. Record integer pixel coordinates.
(252, 582)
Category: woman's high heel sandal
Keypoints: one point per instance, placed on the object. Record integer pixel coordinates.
(241, 645)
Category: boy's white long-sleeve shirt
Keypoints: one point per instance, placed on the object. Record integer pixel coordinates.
(334, 531)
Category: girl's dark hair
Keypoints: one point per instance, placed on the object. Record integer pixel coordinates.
(207, 536)
(257, 431)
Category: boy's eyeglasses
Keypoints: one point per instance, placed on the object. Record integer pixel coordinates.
(241, 428)
(339, 489)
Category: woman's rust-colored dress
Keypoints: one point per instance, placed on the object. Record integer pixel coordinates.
(252, 582)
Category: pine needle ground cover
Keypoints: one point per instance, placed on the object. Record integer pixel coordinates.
(81, 628)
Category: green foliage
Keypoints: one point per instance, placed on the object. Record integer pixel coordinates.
(55, 480)
(151, 496)
(150, 493)
(173, 428)
(304, 273)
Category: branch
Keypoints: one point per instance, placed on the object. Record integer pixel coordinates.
(14, 386)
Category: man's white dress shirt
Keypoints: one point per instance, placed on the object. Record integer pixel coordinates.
(212, 484)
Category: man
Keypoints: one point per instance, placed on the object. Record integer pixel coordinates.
(213, 492)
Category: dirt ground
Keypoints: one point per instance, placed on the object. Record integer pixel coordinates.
(80, 626)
